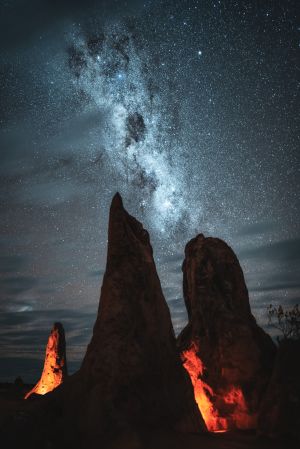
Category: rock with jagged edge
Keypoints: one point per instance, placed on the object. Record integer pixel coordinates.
(131, 377)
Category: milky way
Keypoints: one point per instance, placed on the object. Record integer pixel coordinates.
(190, 109)
(117, 77)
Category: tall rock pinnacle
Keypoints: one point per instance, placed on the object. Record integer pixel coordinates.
(55, 365)
(132, 376)
(228, 356)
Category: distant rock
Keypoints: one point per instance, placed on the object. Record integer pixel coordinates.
(55, 365)
(280, 409)
(228, 356)
(131, 377)
(18, 383)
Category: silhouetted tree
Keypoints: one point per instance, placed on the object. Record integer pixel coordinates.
(287, 320)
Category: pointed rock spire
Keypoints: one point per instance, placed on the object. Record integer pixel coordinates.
(132, 376)
(55, 365)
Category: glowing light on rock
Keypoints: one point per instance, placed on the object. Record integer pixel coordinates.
(55, 366)
(237, 415)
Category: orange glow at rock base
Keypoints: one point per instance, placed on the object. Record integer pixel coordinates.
(54, 366)
(237, 416)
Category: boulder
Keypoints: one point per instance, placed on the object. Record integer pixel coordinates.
(229, 357)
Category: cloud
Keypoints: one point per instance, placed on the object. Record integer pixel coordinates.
(17, 284)
(49, 193)
(256, 228)
(24, 336)
(276, 286)
(174, 258)
(282, 251)
(22, 21)
(176, 304)
(11, 264)
(97, 273)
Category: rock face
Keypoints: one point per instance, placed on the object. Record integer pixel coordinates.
(131, 376)
(229, 357)
(280, 409)
(55, 365)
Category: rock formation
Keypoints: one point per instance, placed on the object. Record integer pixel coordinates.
(280, 409)
(229, 357)
(131, 376)
(55, 365)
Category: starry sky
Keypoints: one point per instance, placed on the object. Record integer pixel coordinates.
(190, 109)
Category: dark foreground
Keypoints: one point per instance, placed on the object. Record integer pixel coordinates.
(18, 431)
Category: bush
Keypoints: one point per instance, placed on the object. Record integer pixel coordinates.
(287, 320)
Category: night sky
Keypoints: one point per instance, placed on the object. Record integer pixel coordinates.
(190, 109)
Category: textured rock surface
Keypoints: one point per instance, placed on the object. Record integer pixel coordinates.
(55, 365)
(236, 354)
(280, 409)
(131, 376)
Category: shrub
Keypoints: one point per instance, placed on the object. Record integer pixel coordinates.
(287, 320)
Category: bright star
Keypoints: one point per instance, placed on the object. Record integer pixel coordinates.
(167, 204)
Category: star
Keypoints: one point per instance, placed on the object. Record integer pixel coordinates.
(119, 103)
